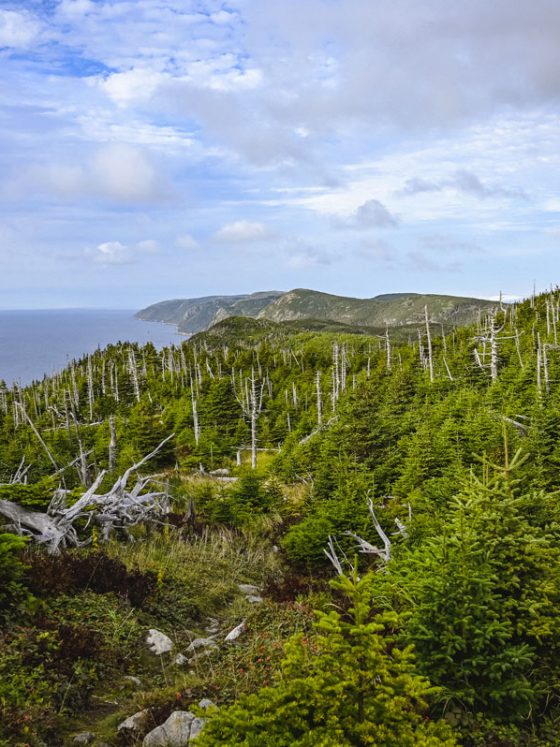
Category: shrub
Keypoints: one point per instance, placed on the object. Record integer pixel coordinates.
(346, 685)
(12, 591)
(484, 601)
(48, 575)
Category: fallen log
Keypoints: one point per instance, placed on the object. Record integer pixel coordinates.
(118, 509)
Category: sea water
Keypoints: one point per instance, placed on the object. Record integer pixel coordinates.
(35, 343)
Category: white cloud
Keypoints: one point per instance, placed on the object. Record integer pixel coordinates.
(186, 241)
(135, 86)
(113, 172)
(222, 17)
(242, 231)
(116, 253)
(17, 30)
(112, 253)
(322, 105)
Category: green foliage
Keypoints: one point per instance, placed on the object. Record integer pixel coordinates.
(345, 685)
(474, 581)
(12, 591)
(238, 504)
(50, 666)
(35, 496)
(344, 510)
(483, 599)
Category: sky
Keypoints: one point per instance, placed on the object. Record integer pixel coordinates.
(155, 149)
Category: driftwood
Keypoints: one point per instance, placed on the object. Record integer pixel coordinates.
(119, 508)
(366, 547)
(363, 546)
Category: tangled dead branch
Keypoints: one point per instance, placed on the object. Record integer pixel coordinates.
(117, 509)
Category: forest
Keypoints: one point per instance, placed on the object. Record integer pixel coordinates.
(288, 534)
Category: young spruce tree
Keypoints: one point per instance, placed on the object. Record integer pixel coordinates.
(345, 685)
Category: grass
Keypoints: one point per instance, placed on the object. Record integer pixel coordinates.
(187, 579)
(199, 579)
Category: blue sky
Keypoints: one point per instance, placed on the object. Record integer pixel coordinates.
(158, 149)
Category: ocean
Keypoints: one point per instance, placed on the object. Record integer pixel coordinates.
(35, 343)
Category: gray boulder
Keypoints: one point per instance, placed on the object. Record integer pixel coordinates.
(254, 599)
(180, 730)
(86, 737)
(248, 589)
(199, 643)
(234, 634)
(134, 724)
(158, 642)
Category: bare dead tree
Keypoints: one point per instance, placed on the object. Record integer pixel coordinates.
(333, 551)
(250, 394)
(90, 391)
(429, 342)
(118, 508)
(319, 398)
(491, 337)
(335, 375)
(21, 408)
(196, 424)
(133, 371)
(112, 443)
(20, 475)
(365, 547)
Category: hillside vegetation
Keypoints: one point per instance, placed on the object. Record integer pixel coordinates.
(393, 310)
(355, 539)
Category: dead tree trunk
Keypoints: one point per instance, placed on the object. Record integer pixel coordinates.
(319, 398)
(112, 443)
(429, 341)
(250, 398)
(118, 508)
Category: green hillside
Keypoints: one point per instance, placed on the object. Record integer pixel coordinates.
(393, 310)
(427, 469)
(196, 314)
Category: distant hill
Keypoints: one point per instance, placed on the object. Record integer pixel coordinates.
(302, 305)
(197, 314)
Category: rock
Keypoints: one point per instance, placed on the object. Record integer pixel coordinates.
(201, 643)
(180, 660)
(180, 729)
(234, 634)
(248, 589)
(138, 722)
(220, 472)
(213, 625)
(254, 599)
(158, 642)
(130, 678)
(86, 737)
(205, 703)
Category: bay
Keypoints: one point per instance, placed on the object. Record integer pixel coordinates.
(38, 342)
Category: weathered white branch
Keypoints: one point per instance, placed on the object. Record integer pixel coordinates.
(118, 508)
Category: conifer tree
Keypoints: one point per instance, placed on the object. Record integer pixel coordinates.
(484, 612)
(344, 685)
